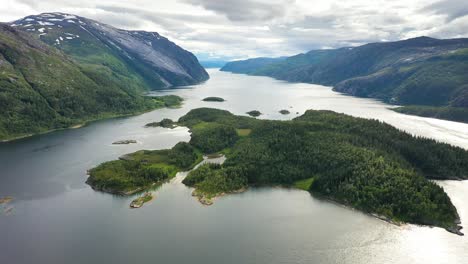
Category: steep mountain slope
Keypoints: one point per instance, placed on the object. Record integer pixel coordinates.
(42, 89)
(139, 59)
(421, 71)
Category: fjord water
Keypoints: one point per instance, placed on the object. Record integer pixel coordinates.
(57, 218)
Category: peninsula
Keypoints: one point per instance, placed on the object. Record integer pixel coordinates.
(365, 164)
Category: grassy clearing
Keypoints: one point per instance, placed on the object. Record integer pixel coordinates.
(243, 132)
(304, 184)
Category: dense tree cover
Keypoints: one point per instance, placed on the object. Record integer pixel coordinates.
(457, 114)
(431, 158)
(211, 137)
(363, 163)
(140, 170)
(214, 179)
(419, 71)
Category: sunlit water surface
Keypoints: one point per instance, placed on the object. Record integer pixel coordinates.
(57, 218)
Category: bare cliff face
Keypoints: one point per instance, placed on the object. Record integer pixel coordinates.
(150, 57)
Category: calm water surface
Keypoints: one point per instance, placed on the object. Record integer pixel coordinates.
(57, 218)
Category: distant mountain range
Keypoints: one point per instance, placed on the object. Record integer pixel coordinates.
(251, 66)
(420, 71)
(58, 70)
(210, 64)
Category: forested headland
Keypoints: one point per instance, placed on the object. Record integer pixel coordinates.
(366, 164)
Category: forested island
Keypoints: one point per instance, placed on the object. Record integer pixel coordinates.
(166, 123)
(213, 99)
(254, 113)
(365, 164)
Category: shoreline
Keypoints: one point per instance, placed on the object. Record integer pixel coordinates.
(87, 122)
(76, 126)
(139, 202)
(207, 201)
(454, 230)
(390, 104)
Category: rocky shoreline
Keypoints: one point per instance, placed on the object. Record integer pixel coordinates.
(165, 123)
(6, 199)
(204, 199)
(140, 201)
(456, 229)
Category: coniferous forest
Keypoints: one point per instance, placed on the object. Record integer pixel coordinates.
(366, 164)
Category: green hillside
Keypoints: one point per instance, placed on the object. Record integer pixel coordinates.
(133, 60)
(419, 71)
(42, 89)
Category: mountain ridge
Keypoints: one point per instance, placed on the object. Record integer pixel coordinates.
(54, 77)
(157, 61)
(418, 71)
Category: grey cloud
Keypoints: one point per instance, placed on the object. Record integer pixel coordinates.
(175, 22)
(68, 3)
(246, 10)
(251, 28)
(452, 9)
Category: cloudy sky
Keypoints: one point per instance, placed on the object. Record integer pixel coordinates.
(252, 28)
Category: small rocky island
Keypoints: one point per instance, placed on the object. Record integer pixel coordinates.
(5, 200)
(284, 112)
(125, 142)
(254, 113)
(140, 201)
(213, 99)
(166, 123)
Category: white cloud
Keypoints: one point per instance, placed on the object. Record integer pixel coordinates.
(250, 28)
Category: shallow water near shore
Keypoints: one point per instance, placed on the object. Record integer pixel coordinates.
(57, 218)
